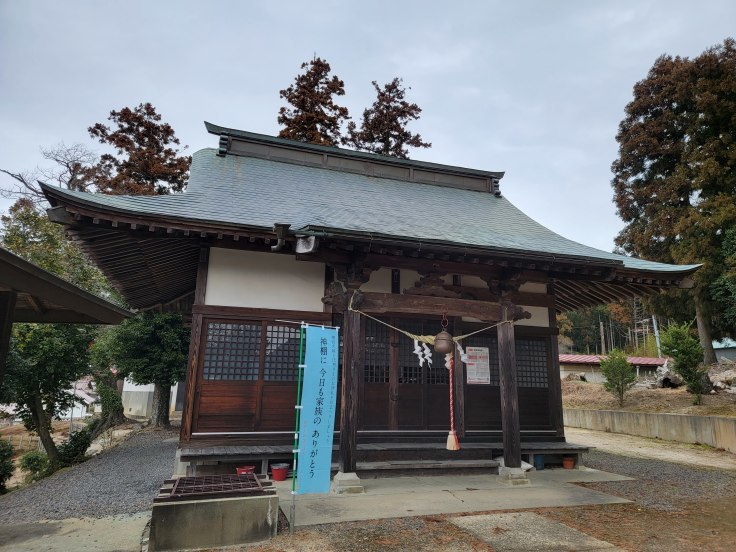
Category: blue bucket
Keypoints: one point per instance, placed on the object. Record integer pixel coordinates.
(539, 461)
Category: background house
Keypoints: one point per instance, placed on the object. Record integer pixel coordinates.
(590, 365)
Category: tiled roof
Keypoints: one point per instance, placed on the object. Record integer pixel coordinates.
(252, 192)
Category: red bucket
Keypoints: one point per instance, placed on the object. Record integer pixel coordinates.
(242, 470)
(279, 471)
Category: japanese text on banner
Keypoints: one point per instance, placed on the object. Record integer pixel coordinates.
(319, 394)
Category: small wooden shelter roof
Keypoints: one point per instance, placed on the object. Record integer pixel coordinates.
(398, 212)
(44, 297)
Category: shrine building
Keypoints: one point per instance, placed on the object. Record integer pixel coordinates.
(271, 233)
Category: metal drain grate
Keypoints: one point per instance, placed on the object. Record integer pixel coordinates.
(212, 486)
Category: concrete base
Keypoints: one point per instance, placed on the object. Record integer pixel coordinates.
(213, 523)
(180, 468)
(514, 477)
(346, 483)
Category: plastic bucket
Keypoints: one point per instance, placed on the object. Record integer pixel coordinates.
(568, 462)
(539, 461)
(279, 471)
(242, 470)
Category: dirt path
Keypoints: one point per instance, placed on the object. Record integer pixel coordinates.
(642, 447)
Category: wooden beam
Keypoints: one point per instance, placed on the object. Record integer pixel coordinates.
(509, 394)
(36, 303)
(7, 307)
(421, 304)
(351, 371)
(459, 383)
(553, 379)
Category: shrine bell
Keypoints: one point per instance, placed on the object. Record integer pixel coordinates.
(443, 342)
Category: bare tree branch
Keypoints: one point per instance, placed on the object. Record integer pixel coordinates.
(71, 170)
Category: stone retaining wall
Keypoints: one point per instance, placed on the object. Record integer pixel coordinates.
(715, 431)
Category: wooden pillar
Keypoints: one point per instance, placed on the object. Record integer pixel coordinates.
(349, 393)
(553, 375)
(192, 385)
(509, 394)
(7, 309)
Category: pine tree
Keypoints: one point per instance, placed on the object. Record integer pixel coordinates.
(675, 176)
(146, 161)
(383, 129)
(620, 375)
(313, 116)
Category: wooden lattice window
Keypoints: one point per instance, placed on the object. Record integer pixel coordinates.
(232, 351)
(282, 353)
(376, 352)
(531, 363)
(490, 342)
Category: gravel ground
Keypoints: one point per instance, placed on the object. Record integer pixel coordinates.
(661, 485)
(122, 480)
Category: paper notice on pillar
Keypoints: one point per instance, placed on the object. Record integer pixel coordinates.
(478, 365)
(317, 423)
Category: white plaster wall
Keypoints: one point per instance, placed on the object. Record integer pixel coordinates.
(473, 282)
(263, 280)
(533, 287)
(379, 282)
(540, 317)
(138, 399)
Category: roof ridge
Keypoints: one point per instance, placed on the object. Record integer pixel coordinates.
(252, 144)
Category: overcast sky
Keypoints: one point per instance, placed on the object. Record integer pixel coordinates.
(533, 88)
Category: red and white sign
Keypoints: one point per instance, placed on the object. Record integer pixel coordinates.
(478, 367)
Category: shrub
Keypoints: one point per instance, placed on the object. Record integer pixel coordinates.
(620, 375)
(679, 343)
(73, 449)
(36, 463)
(6, 464)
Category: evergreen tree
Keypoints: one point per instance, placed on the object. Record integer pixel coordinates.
(146, 160)
(619, 374)
(383, 128)
(151, 348)
(723, 290)
(44, 362)
(28, 232)
(675, 176)
(313, 116)
(678, 343)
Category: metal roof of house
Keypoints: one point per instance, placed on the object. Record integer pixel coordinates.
(596, 359)
(252, 192)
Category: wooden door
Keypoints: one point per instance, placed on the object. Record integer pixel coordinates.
(423, 392)
(399, 393)
(376, 385)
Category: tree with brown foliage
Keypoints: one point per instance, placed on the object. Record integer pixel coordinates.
(675, 176)
(383, 129)
(146, 160)
(313, 116)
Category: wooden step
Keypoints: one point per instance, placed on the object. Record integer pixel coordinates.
(426, 464)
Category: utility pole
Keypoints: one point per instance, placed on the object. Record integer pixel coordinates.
(603, 339)
(656, 336)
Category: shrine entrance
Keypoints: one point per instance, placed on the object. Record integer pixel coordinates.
(399, 393)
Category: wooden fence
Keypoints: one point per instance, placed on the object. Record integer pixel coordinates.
(23, 443)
